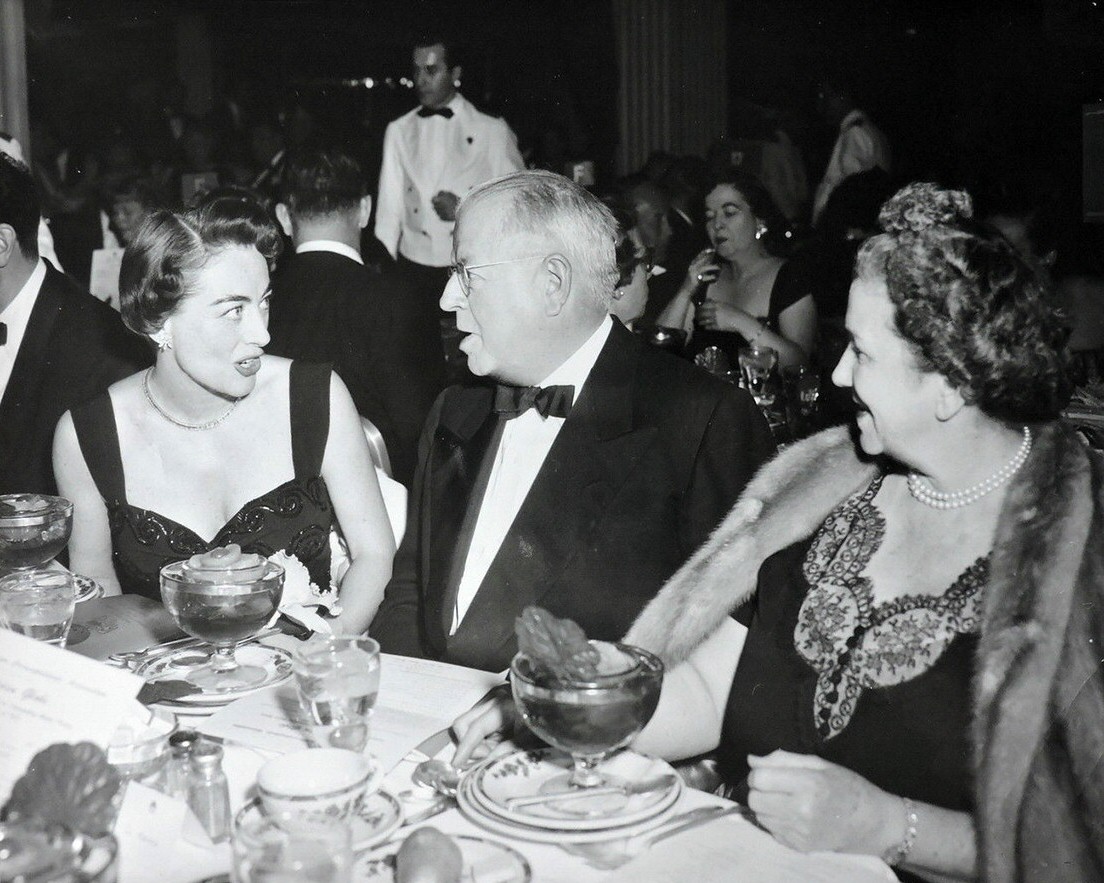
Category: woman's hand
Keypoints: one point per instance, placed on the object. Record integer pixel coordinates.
(704, 268)
(811, 804)
(494, 716)
(722, 317)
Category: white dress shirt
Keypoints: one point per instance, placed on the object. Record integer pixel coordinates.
(331, 245)
(526, 441)
(16, 316)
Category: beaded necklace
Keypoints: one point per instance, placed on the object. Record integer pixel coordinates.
(922, 491)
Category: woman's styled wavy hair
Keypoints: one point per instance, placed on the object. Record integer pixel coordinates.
(169, 249)
(968, 305)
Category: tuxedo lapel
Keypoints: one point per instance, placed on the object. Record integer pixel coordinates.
(594, 453)
(24, 388)
(461, 442)
(410, 144)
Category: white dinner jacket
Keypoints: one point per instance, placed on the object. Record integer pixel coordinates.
(480, 147)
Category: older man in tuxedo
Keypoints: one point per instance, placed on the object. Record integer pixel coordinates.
(588, 474)
(432, 156)
(58, 344)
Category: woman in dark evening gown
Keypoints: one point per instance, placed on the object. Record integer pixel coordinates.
(748, 293)
(895, 651)
(219, 443)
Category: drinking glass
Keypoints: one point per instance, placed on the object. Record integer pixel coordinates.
(802, 388)
(223, 608)
(33, 529)
(39, 604)
(270, 851)
(757, 364)
(589, 719)
(338, 679)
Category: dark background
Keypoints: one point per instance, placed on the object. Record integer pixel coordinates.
(975, 92)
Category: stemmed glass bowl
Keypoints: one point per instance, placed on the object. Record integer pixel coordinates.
(223, 607)
(589, 719)
(34, 528)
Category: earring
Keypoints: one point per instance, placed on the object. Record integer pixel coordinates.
(760, 231)
(163, 339)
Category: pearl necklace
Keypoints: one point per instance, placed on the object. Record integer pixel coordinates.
(922, 491)
(210, 424)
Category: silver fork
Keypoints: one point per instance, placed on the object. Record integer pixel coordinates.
(611, 854)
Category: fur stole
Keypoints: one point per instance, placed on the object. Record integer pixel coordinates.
(785, 502)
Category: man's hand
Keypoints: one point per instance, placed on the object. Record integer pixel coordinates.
(811, 804)
(445, 203)
(495, 715)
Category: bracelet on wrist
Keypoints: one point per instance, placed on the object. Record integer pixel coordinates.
(900, 852)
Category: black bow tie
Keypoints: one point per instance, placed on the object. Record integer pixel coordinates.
(445, 112)
(548, 401)
(3, 333)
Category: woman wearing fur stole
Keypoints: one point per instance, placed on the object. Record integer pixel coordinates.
(918, 675)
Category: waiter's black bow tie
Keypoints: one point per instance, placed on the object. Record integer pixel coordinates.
(435, 112)
(3, 333)
(549, 401)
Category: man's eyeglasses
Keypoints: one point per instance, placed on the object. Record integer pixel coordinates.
(462, 271)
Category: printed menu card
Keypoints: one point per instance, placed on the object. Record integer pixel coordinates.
(51, 695)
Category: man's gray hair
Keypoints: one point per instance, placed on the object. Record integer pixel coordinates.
(550, 205)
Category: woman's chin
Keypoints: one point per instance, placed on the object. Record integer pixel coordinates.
(869, 440)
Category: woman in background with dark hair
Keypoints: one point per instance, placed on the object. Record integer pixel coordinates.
(218, 443)
(738, 292)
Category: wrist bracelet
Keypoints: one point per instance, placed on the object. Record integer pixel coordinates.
(900, 852)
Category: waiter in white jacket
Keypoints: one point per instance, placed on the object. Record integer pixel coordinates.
(432, 156)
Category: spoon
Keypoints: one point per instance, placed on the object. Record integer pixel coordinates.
(438, 775)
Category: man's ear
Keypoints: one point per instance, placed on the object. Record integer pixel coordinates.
(284, 217)
(558, 284)
(9, 244)
(364, 211)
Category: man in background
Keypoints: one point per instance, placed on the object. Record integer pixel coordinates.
(327, 307)
(432, 156)
(59, 346)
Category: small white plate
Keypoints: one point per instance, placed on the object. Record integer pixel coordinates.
(377, 816)
(529, 774)
(176, 665)
(484, 860)
(482, 817)
(87, 588)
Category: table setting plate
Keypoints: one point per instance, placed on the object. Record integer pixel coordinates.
(526, 774)
(176, 664)
(87, 588)
(485, 861)
(376, 817)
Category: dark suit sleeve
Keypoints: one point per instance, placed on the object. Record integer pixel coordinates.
(736, 442)
(397, 624)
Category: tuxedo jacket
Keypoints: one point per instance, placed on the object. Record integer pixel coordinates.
(74, 347)
(651, 457)
(328, 308)
(480, 147)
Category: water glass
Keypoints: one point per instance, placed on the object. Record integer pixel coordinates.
(802, 388)
(338, 679)
(306, 852)
(39, 604)
(757, 365)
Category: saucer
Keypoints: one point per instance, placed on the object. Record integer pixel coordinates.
(477, 815)
(485, 861)
(87, 588)
(176, 665)
(375, 818)
(530, 774)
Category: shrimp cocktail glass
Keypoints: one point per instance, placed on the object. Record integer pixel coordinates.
(33, 529)
(588, 698)
(223, 597)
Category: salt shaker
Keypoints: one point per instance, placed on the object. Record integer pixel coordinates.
(209, 793)
(178, 771)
